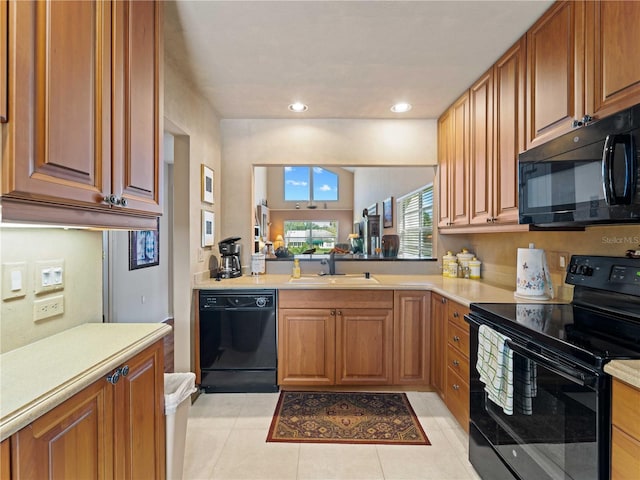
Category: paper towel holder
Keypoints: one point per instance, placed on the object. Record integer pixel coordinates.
(533, 280)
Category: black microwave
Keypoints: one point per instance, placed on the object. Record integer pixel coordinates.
(590, 175)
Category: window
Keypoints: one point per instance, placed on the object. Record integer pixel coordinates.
(301, 235)
(305, 184)
(415, 223)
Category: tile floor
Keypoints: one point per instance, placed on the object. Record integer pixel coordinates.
(226, 436)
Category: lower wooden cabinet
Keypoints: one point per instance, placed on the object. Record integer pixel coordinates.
(456, 394)
(411, 337)
(5, 460)
(625, 432)
(438, 342)
(104, 431)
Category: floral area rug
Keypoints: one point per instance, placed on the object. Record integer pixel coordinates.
(339, 417)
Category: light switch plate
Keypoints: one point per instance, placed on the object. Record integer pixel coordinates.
(49, 276)
(14, 278)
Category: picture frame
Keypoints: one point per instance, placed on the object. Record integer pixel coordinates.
(207, 185)
(208, 228)
(387, 213)
(144, 248)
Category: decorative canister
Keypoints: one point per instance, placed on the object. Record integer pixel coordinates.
(464, 257)
(257, 263)
(474, 267)
(446, 261)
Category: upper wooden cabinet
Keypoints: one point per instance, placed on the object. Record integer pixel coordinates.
(4, 24)
(555, 72)
(454, 164)
(83, 137)
(612, 56)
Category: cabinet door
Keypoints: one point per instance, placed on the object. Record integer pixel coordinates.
(140, 423)
(459, 170)
(74, 440)
(59, 134)
(438, 342)
(364, 342)
(612, 42)
(137, 104)
(411, 338)
(481, 150)
(306, 346)
(555, 72)
(4, 52)
(5, 460)
(445, 160)
(509, 81)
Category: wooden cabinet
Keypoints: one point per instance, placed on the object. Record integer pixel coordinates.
(364, 342)
(328, 337)
(612, 56)
(104, 431)
(4, 24)
(439, 305)
(5, 460)
(445, 162)
(625, 432)
(457, 363)
(306, 346)
(555, 72)
(411, 337)
(83, 137)
(456, 173)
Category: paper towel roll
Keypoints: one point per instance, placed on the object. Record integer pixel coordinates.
(533, 280)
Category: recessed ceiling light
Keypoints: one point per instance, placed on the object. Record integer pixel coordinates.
(401, 107)
(298, 107)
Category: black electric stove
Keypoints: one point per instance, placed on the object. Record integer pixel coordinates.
(560, 350)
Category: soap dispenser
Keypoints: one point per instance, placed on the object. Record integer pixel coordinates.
(295, 273)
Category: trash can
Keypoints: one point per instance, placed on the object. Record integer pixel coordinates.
(178, 388)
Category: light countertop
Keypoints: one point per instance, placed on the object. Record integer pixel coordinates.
(626, 370)
(461, 290)
(39, 376)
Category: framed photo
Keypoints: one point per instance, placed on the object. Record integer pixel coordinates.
(208, 226)
(387, 213)
(207, 185)
(144, 248)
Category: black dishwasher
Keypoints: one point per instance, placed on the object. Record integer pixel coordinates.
(238, 341)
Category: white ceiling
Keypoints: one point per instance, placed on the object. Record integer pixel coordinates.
(345, 59)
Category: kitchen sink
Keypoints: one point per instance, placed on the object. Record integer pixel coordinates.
(334, 280)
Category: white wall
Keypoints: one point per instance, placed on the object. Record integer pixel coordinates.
(312, 142)
(195, 126)
(82, 254)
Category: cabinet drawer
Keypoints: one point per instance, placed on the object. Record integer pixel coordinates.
(458, 363)
(458, 338)
(625, 408)
(625, 456)
(456, 313)
(457, 398)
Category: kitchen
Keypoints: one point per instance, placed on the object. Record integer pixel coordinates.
(230, 151)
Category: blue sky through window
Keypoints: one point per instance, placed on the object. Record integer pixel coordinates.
(298, 184)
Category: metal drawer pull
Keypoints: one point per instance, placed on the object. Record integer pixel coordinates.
(456, 338)
(124, 371)
(456, 314)
(455, 386)
(456, 363)
(114, 377)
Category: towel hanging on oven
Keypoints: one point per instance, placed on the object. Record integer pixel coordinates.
(495, 366)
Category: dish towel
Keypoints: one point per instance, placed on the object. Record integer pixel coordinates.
(526, 388)
(495, 366)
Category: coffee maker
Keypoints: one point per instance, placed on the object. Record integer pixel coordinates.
(230, 262)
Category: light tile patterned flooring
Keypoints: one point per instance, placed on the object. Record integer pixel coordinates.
(226, 439)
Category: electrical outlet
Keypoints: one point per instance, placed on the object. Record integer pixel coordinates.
(48, 307)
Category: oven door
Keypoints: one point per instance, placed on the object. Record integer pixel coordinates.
(555, 428)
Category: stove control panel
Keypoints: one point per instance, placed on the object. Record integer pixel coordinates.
(615, 274)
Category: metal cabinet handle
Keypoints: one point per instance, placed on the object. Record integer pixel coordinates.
(339, 312)
(456, 338)
(455, 386)
(124, 371)
(456, 363)
(111, 199)
(443, 300)
(456, 314)
(333, 312)
(114, 377)
(123, 202)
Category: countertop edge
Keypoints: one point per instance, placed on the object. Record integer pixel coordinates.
(31, 411)
(627, 371)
